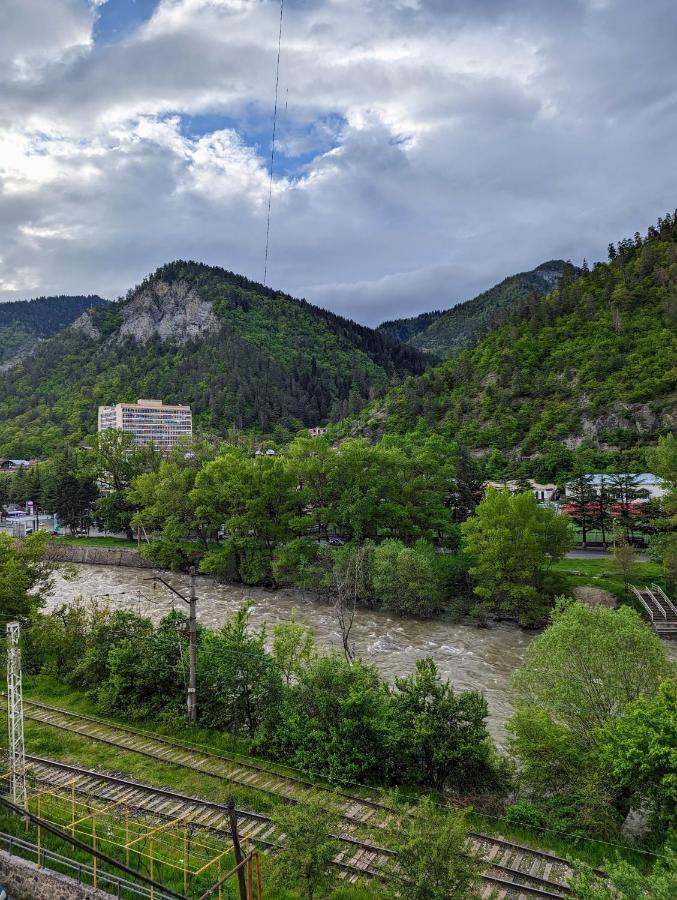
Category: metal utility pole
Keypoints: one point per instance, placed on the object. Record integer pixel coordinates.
(192, 650)
(191, 699)
(232, 816)
(15, 716)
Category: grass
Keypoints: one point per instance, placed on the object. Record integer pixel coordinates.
(597, 572)
(117, 543)
(43, 740)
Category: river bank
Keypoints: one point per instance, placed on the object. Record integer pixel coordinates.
(470, 658)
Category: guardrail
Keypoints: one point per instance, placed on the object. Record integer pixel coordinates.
(655, 600)
(82, 873)
(657, 589)
(643, 602)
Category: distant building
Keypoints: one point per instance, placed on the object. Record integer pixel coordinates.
(150, 421)
(11, 465)
(649, 484)
(544, 493)
(318, 431)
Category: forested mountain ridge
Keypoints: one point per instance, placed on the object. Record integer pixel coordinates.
(239, 353)
(585, 375)
(443, 333)
(23, 322)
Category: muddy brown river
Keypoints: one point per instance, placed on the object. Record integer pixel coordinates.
(469, 657)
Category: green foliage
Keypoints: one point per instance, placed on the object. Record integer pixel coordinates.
(275, 364)
(305, 864)
(444, 333)
(583, 365)
(407, 579)
(623, 881)
(333, 721)
(640, 750)
(577, 686)
(440, 737)
(512, 543)
(23, 322)
(433, 861)
(240, 684)
(25, 574)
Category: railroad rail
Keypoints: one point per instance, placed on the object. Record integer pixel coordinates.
(514, 870)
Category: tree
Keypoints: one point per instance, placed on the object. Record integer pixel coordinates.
(25, 574)
(626, 491)
(512, 543)
(333, 721)
(639, 751)
(441, 737)
(433, 862)
(664, 462)
(294, 648)
(581, 500)
(350, 580)
(117, 461)
(309, 848)
(622, 881)
(407, 579)
(578, 677)
(588, 665)
(623, 561)
(239, 683)
(602, 508)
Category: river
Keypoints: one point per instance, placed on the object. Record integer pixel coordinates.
(469, 657)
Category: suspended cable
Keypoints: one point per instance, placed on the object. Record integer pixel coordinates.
(272, 148)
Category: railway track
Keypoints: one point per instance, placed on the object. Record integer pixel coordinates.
(513, 870)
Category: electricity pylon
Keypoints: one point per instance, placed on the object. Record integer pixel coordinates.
(15, 716)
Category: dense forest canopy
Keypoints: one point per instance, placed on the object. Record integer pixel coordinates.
(22, 322)
(443, 333)
(583, 377)
(255, 359)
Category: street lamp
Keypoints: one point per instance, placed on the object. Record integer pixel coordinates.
(191, 700)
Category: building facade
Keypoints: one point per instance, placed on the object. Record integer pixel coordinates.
(150, 421)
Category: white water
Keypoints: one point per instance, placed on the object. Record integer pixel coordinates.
(469, 657)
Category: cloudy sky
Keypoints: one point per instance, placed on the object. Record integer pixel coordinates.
(427, 148)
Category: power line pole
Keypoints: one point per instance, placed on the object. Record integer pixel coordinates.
(192, 650)
(232, 816)
(191, 699)
(15, 716)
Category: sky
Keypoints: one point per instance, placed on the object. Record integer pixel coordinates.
(426, 149)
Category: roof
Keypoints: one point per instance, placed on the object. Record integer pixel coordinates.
(643, 478)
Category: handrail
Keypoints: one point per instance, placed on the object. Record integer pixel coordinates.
(643, 602)
(659, 590)
(119, 884)
(657, 602)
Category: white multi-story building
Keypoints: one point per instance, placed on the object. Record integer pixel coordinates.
(150, 421)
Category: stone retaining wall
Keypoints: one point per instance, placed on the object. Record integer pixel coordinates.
(25, 881)
(96, 556)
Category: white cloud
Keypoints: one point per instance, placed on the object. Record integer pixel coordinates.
(445, 143)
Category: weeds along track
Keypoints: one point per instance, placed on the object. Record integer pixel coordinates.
(513, 870)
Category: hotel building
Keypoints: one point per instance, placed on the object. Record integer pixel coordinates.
(150, 421)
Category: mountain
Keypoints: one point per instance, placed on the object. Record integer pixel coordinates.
(584, 375)
(443, 333)
(406, 329)
(239, 353)
(23, 322)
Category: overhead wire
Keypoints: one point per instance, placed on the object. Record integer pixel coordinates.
(272, 148)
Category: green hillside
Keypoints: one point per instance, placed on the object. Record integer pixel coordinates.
(239, 353)
(405, 329)
(585, 374)
(443, 333)
(23, 322)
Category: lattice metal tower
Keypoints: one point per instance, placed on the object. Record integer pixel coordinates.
(15, 716)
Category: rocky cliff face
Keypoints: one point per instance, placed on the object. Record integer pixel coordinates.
(173, 312)
(85, 325)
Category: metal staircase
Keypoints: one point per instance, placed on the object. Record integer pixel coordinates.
(660, 609)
